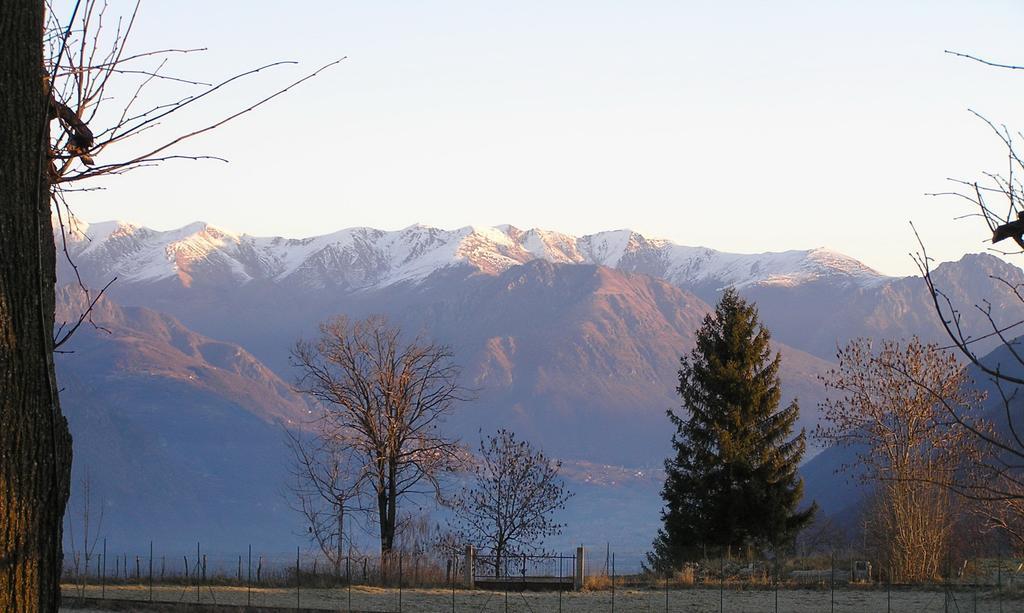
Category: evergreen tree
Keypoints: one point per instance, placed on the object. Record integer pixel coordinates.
(733, 480)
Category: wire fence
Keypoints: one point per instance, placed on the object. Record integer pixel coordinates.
(251, 577)
(444, 582)
(523, 566)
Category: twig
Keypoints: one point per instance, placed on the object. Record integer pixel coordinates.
(986, 62)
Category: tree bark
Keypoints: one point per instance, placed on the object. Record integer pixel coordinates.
(392, 504)
(341, 536)
(35, 445)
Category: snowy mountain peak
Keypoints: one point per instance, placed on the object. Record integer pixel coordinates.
(840, 263)
(364, 258)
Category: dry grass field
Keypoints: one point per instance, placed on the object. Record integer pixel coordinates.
(626, 601)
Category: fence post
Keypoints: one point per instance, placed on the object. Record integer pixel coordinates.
(832, 580)
(581, 568)
(297, 590)
(248, 580)
(103, 576)
(341, 535)
(613, 583)
(561, 582)
(470, 555)
(151, 571)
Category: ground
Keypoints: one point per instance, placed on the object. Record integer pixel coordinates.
(625, 600)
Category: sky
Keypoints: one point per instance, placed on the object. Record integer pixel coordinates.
(744, 126)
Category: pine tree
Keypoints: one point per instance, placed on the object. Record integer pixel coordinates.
(733, 479)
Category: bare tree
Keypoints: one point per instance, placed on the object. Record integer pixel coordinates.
(1006, 514)
(324, 487)
(90, 525)
(90, 66)
(57, 69)
(384, 399)
(893, 405)
(508, 510)
(996, 199)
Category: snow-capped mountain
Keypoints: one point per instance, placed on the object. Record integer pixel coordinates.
(573, 342)
(365, 258)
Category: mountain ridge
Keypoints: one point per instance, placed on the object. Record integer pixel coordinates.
(577, 350)
(366, 258)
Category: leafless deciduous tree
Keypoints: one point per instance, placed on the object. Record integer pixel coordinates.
(509, 508)
(384, 399)
(58, 67)
(324, 487)
(893, 403)
(90, 524)
(996, 199)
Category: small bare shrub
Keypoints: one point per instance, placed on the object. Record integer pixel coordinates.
(597, 583)
(684, 576)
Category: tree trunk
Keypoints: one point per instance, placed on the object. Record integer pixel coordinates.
(499, 550)
(382, 517)
(341, 537)
(35, 445)
(392, 504)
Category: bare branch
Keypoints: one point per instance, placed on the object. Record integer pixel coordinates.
(508, 510)
(383, 398)
(986, 62)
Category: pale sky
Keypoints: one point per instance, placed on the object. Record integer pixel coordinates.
(744, 126)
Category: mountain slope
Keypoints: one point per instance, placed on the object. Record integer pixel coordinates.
(572, 341)
(179, 431)
(180, 434)
(579, 358)
(811, 299)
(816, 317)
(840, 465)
